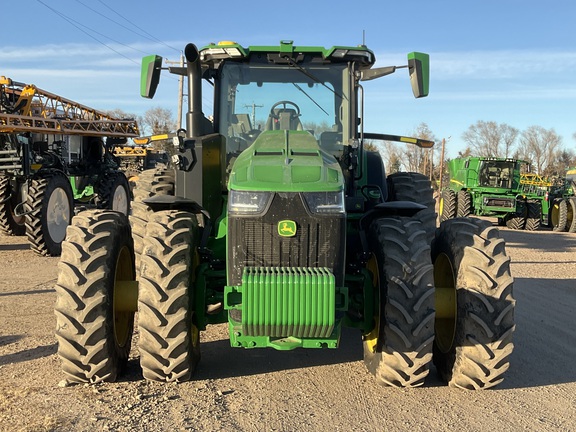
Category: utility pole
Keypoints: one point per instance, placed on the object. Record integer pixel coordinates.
(253, 106)
(431, 152)
(444, 141)
(180, 88)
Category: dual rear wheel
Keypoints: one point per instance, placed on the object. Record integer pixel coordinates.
(451, 305)
(97, 297)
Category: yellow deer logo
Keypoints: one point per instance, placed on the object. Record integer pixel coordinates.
(287, 228)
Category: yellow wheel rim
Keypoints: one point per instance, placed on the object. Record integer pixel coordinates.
(122, 317)
(371, 339)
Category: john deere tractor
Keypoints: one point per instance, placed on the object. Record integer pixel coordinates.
(284, 228)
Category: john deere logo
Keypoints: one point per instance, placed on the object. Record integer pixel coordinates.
(287, 228)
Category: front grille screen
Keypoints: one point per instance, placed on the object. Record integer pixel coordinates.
(254, 241)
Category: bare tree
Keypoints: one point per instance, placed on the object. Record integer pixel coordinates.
(159, 120)
(564, 159)
(118, 113)
(490, 139)
(416, 159)
(121, 114)
(540, 146)
(390, 155)
(509, 136)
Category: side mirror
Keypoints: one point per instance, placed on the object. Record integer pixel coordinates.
(150, 75)
(419, 69)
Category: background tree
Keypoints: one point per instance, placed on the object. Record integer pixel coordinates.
(490, 139)
(540, 147)
(390, 156)
(416, 159)
(160, 121)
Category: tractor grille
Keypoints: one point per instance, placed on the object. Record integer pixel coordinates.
(254, 241)
(297, 302)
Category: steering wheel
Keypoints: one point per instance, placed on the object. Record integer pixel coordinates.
(284, 103)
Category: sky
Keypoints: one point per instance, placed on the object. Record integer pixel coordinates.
(507, 61)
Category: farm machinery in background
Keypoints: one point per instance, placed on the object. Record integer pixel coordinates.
(55, 158)
(141, 156)
(488, 186)
(557, 196)
(285, 233)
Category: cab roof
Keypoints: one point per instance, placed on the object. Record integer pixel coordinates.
(286, 51)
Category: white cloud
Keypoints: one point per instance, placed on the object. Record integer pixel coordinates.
(505, 64)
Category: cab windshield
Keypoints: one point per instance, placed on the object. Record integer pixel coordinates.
(497, 174)
(260, 97)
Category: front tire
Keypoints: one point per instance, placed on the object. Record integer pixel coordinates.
(114, 193)
(169, 337)
(534, 217)
(94, 331)
(399, 348)
(10, 223)
(474, 304)
(49, 210)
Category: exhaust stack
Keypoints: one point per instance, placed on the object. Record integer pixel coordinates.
(194, 116)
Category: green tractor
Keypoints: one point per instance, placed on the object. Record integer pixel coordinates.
(560, 193)
(285, 229)
(488, 186)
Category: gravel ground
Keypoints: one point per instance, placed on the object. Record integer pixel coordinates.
(304, 390)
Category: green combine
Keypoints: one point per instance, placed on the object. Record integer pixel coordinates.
(488, 186)
(284, 228)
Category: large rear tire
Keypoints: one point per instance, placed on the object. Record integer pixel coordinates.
(169, 337)
(447, 208)
(94, 331)
(571, 214)
(559, 215)
(517, 220)
(464, 207)
(534, 216)
(49, 210)
(159, 181)
(474, 304)
(10, 222)
(399, 348)
(415, 187)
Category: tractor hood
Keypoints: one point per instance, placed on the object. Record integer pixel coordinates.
(286, 161)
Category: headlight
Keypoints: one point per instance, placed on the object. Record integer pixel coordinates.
(325, 202)
(248, 202)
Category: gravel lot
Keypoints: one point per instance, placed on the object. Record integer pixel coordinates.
(302, 390)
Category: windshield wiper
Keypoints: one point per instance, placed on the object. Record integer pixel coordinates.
(310, 97)
(311, 76)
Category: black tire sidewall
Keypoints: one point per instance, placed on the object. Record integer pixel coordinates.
(55, 182)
